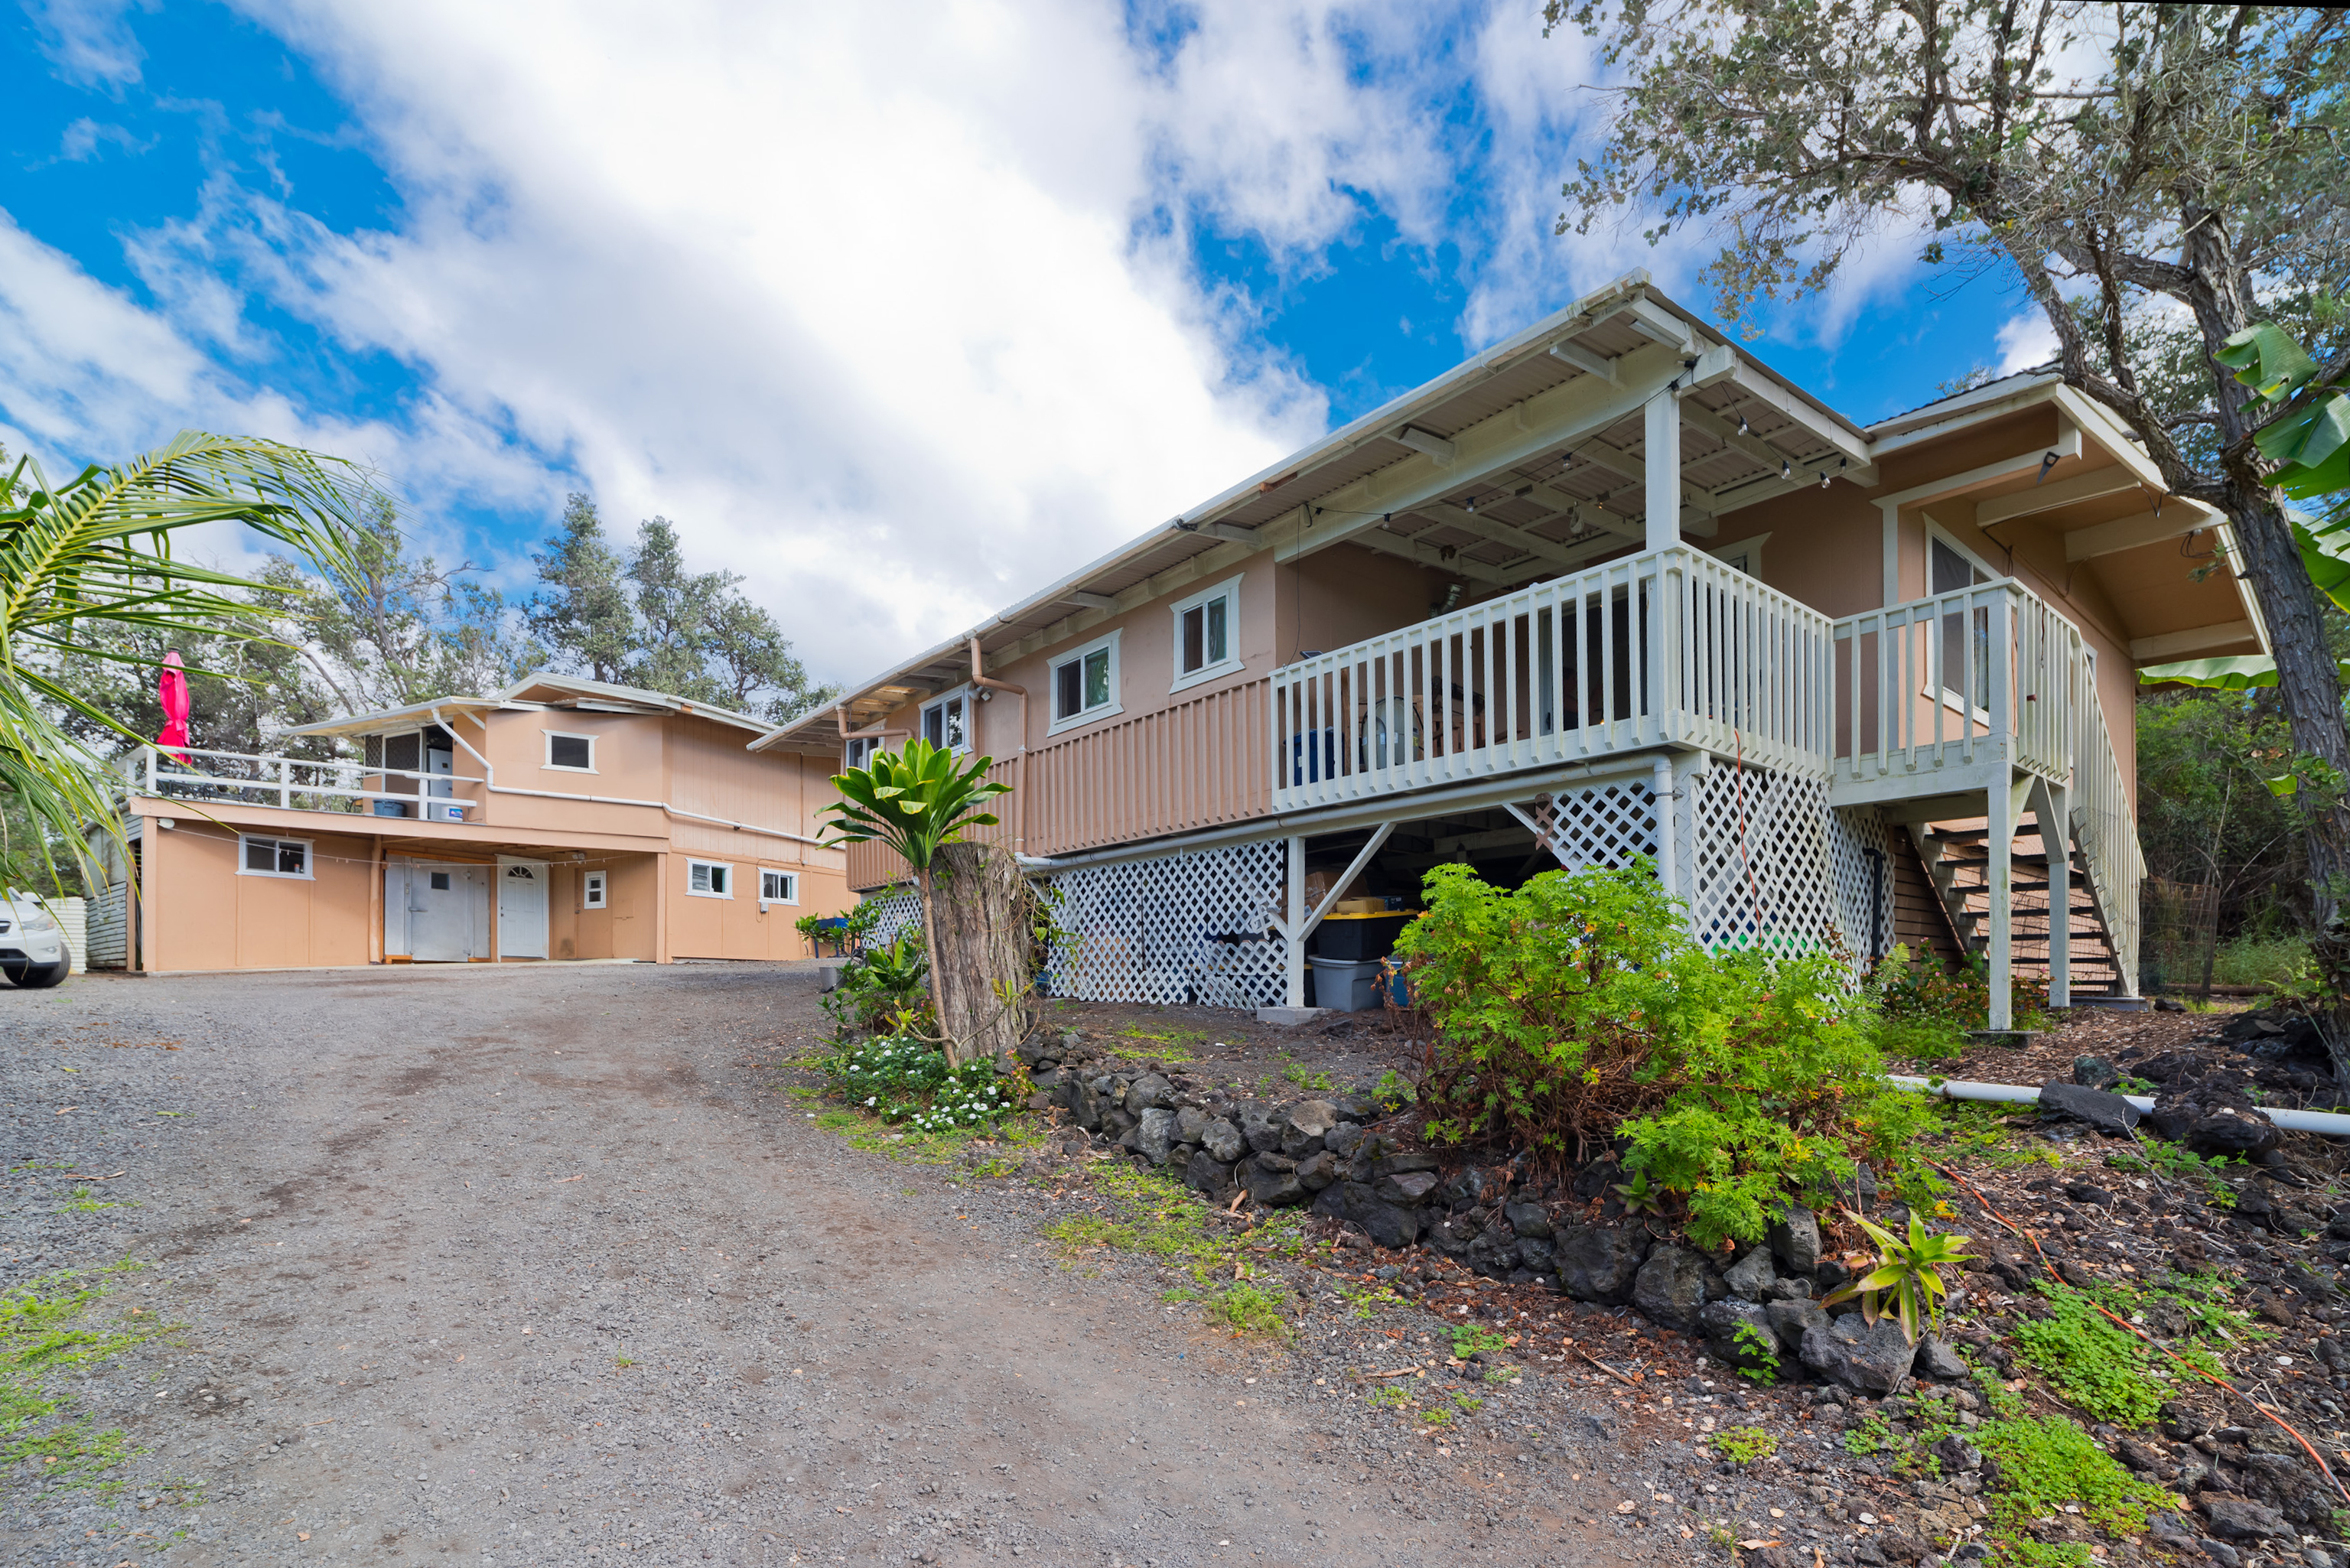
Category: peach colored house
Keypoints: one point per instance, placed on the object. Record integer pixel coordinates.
(1612, 588)
(561, 818)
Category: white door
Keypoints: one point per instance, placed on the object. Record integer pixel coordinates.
(444, 909)
(522, 909)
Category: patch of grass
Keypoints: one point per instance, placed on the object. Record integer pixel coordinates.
(1744, 1445)
(1076, 1232)
(1437, 1415)
(1501, 1375)
(1469, 1403)
(1470, 1339)
(2046, 1463)
(83, 1203)
(1317, 1082)
(1248, 1309)
(1387, 1396)
(1369, 1301)
(1993, 1136)
(42, 1336)
(2183, 1164)
(2110, 1373)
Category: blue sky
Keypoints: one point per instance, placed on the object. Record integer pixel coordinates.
(897, 311)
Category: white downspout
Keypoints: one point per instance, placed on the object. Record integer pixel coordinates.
(2334, 1123)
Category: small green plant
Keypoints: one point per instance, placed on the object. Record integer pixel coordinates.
(1437, 1415)
(1873, 1436)
(2046, 1463)
(1501, 1375)
(2183, 1164)
(1317, 1082)
(1637, 1197)
(1744, 1445)
(1473, 1339)
(883, 990)
(1720, 1535)
(1394, 1090)
(622, 1361)
(1387, 1396)
(1249, 1309)
(1470, 1403)
(1369, 1301)
(1912, 989)
(1758, 1353)
(83, 1203)
(1076, 1232)
(1906, 1283)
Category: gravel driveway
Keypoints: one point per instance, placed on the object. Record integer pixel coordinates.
(540, 1266)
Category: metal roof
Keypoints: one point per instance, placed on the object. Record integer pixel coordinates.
(1738, 447)
(569, 692)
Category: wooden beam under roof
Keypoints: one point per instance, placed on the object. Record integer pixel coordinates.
(1499, 531)
(2093, 485)
(2195, 639)
(2183, 517)
(1428, 555)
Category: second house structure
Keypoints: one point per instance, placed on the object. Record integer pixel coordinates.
(1614, 588)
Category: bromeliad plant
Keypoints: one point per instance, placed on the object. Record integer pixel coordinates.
(1906, 1283)
(916, 802)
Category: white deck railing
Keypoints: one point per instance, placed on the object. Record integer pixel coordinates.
(1931, 693)
(2106, 830)
(196, 772)
(1669, 648)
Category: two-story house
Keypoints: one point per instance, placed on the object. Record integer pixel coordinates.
(559, 818)
(1612, 588)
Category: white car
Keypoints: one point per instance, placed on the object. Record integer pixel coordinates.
(33, 953)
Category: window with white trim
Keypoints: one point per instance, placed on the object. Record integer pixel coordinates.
(1207, 634)
(1746, 554)
(1965, 650)
(569, 753)
(946, 720)
(272, 857)
(1085, 685)
(710, 878)
(592, 890)
(859, 753)
(778, 887)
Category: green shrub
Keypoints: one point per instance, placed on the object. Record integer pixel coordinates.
(885, 990)
(1918, 997)
(1575, 1009)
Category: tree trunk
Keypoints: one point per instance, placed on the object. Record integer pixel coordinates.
(978, 921)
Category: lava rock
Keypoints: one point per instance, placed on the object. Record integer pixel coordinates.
(1389, 1224)
(1312, 1118)
(1495, 1253)
(1936, 1359)
(1538, 1257)
(1751, 1278)
(1795, 1241)
(1958, 1455)
(1154, 1135)
(1206, 1173)
(1528, 1220)
(1408, 1187)
(1599, 1263)
(1190, 1122)
(1468, 1185)
(1085, 1106)
(1260, 1127)
(1451, 1236)
(1757, 1350)
(1149, 1092)
(1343, 1140)
(1224, 1141)
(1357, 1107)
(1669, 1288)
(2108, 1113)
(1272, 1189)
(1317, 1171)
(1791, 1319)
(2082, 1192)
(1863, 1358)
(2095, 1072)
(2211, 1117)
(2236, 1519)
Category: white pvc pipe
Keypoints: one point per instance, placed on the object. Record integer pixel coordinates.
(2332, 1123)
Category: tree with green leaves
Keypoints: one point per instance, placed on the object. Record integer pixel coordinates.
(96, 555)
(640, 618)
(920, 803)
(2155, 177)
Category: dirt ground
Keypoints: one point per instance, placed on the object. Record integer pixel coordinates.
(547, 1266)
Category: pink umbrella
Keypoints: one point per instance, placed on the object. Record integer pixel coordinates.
(172, 690)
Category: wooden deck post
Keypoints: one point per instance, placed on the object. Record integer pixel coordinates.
(2051, 808)
(2002, 803)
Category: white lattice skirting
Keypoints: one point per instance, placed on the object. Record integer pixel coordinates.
(1775, 867)
(1192, 929)
(901, 910)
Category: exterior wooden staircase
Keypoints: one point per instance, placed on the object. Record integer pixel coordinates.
(1957, 858)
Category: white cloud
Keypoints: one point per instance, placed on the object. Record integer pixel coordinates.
(2025, 340)
(892, 307)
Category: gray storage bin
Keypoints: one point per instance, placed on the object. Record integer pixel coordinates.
(1346, 985)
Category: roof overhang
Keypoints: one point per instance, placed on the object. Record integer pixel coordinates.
(1520, 464)
(568, 692)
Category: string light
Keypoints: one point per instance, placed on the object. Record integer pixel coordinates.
(1786, 468)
